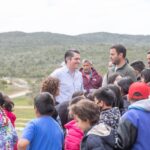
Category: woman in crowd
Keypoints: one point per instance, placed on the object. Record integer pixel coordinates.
(8, 135)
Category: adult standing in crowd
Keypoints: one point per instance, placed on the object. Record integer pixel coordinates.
(69, 76)
(91, 78)
(148, 58)
(118, 58)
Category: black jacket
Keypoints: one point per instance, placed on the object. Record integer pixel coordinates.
(99, 137)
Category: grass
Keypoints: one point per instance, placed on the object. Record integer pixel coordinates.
(23, 101)
(23, 111)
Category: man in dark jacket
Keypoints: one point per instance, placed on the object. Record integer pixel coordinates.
(91, 78)
(133, 129)
(120, 64)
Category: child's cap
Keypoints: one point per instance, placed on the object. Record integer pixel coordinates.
(138, 91)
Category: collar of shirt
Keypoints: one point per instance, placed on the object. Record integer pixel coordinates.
(66, 69)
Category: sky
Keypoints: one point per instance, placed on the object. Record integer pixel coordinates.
(73, 17)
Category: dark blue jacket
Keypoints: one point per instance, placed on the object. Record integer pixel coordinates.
(134, 127)
(99, 137)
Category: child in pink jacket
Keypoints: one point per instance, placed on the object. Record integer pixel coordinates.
(74, 135)
(8, 107)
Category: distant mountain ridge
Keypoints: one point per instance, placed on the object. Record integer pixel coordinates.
(112, 38)
(8, 39)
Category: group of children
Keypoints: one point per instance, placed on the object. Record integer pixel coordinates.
(113, 117)
(105, 128)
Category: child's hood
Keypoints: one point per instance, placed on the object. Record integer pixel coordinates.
(100, 130)
(105, 132)
(141, 105)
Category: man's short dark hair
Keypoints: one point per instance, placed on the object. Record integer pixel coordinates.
(105, 94)
(119, 49)
(138, 65)
(148, 52)
(69, 54)
(44, 103)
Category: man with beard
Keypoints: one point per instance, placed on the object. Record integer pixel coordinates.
(148, 59)
(91, 79)
(120, 65)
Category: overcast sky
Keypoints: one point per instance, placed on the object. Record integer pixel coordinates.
(76, 16)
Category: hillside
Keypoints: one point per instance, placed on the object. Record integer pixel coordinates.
(21, 39)
(37, 54)
(110, 38)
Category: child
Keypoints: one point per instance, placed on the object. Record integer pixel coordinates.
(118, 100)
(8, 135)
(96, 136)
(51, 85)
(112, 79)
(109, 115)
(124, 85)
(133, 129)
(145, 77)
(138, 66)
(42, 133)
(74, 135)
(63, 108)
(8, 107)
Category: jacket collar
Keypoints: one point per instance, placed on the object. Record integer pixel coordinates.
(141, 105)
